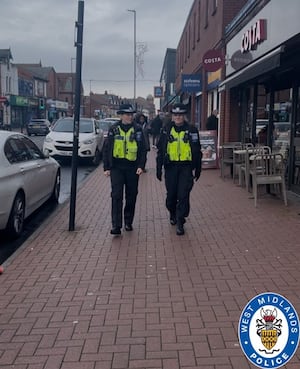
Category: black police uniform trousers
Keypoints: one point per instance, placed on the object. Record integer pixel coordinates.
(120, 178)
(179, 183)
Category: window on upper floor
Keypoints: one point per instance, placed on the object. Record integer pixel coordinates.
(8, 85)
(199, 19)
(206, 14)
(186, 47)
(39, 88)
(214, 7)
(194, 31)
(189, 40)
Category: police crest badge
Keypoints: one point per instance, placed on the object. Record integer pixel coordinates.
(269, 330)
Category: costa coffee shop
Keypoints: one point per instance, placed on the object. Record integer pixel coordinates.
(261, 88)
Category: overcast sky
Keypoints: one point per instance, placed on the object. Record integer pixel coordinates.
(45, 30)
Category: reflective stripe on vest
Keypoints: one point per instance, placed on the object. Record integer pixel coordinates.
(179, 148)
(125, 145)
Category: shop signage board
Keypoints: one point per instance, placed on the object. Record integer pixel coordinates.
(18, 100)
(158, 91)
(213, 60)
(191, 83)
(254, 36)
(239, 60)
(208, 140)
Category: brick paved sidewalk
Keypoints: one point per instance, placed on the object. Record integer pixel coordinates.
(147, 299)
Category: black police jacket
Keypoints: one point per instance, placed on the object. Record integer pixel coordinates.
(110, 162)
(194, 140)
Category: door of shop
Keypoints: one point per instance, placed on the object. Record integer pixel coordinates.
(294, 162)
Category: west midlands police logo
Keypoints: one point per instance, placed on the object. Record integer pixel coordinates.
(269, 330)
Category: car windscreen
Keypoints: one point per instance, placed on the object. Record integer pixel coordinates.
(105, 125)
(37, 121)
(66, 125)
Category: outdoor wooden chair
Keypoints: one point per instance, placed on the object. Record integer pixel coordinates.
(268, 169)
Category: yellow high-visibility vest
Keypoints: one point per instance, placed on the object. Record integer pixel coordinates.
(125, 145)
(179, 148)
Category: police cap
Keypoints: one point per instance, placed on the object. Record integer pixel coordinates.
(179, 108)
(126, 109)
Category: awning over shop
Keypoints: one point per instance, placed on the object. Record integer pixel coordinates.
(254, 70)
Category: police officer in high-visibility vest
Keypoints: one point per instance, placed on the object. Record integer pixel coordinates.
(179, 152)
(124, 158)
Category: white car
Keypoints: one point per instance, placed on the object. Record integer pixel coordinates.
(113, 120)
(27, 179)
(59, 142)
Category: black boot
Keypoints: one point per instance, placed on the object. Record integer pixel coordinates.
(173, 220)
(128, 227)
(115, 231)
(180, 229)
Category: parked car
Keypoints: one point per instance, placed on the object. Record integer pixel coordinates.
(105, 125)
(59, 142)
(27, 179)
(113, 120)
(38, 127)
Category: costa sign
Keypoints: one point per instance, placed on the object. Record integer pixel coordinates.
(254, 36)
(213, 60)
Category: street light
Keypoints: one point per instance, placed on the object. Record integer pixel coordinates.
(134, 53)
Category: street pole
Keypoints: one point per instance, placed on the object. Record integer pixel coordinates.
(78, 45)
(72, 87)
(134, 54)
(90, 98)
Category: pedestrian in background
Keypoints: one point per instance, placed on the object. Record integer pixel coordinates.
(142, 121)
(179, 152)
(167, 119)
(124, 157)
(212, 121)
(156, 125)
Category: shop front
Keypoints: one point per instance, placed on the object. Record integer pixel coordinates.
(262, 83)
(22, 110)
(56, 109)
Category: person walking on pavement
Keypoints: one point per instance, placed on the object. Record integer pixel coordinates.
(124, 157)
(141, 120)
(212, 121)
(179, 152)
(156, 125)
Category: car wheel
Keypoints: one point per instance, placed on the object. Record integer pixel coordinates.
(56, 189)
(97, 158)
(16, 219)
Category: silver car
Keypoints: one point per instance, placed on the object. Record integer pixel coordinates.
(38, 127)
(27, 179)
